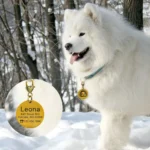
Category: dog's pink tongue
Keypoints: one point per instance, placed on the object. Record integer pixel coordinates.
(73, 58)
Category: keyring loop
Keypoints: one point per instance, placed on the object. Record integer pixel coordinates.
(30, 94)
(30, 89)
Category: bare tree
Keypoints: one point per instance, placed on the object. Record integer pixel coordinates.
(102, 3)
(22, 42)
(4, 44)
(69, 4)
(53, 46)
(133, 11)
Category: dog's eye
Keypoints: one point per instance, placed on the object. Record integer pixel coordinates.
(81, 34)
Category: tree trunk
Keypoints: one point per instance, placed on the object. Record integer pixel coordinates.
(102, 3)
(69, 4)
(133, 12)
(6, 25)
(53, 46)
(28, 26)
(22, 42)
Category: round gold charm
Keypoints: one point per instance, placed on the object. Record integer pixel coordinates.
(30, 114)
(83, 94)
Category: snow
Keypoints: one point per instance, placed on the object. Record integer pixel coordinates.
(76, 131)
(49, 10)
(147, 31)
(44, 5)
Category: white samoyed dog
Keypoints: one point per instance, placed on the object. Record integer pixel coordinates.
(114, 58)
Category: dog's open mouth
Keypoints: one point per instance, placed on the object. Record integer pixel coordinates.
(78, 56)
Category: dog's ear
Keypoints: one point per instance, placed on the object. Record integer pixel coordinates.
(69, 13)
(91, 10)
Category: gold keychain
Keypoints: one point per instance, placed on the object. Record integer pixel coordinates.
(30, 113)
(83, 93)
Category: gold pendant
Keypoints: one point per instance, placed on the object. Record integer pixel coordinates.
(30, 114)
(83, 93)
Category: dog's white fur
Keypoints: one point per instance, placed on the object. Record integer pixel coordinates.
(122, 90)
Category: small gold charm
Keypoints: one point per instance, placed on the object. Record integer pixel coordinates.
(30, 113)
(83, 93)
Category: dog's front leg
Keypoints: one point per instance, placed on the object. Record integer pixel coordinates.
(115, 129)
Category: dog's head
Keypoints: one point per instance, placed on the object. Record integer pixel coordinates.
(85, 39)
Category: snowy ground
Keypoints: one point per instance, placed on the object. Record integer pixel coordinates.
(76, 131)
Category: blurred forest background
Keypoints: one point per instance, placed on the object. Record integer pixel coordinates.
(30, 42)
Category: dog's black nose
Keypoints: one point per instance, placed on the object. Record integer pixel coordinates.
(68, 46)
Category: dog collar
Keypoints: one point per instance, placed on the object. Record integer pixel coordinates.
(94, 73)
(83, 93)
